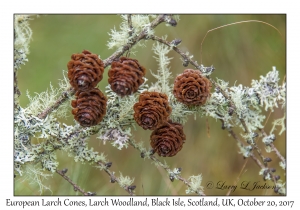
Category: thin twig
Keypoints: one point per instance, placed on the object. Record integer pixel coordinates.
(257, 149)
(113, 178)
(277, 152)
(176, 49)
(152, 157)
(242, 144)
(245, 21)
(76, 187)
(252, 155)
(274, 148)
(179, 177)
(65, 95)
(130, 24)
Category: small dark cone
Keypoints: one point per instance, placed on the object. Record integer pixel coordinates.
(85, 70)
(126, 76)
(191, 88)
(152, 110)
(89, 107)
(168, 139)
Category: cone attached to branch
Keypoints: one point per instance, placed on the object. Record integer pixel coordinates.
(89, 107)
(191, 88)
(85, 70)
(152, 110)
(126, 76)
(167, 140)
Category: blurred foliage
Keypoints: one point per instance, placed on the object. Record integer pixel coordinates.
(239, 53)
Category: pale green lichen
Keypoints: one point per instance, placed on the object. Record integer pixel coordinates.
(195, 185)
(267, 140)
(249, 137)
(43, 100)
(22, 37)
(282, 165)
(163, 74)
(245, 150)
(269, 91)
(121, 37)
(279, 122)
(36, 176)
(125, 181)
(267, 176)
(281, 185)
(118, 139)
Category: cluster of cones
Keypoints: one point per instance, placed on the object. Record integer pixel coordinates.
(85, 71)
(152, 111)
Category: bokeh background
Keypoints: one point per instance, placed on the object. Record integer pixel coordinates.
(239, 53)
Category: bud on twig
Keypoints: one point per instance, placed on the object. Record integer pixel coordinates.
(185, 63)
(171, 177)
(230, 111)
(152, 151)
(108, 165)
(64, 171)
(176, 42)
(91, 193)
(131, 188)
(173, 22)
(112, 180)
(223, 125)
(267, 159)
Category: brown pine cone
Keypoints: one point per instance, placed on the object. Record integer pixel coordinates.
(126, 76)
(191, 88)
(89, 107)
(152, 110)
(168, 139)
(85, 70)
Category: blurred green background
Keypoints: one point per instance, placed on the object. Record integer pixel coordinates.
(239, 53)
